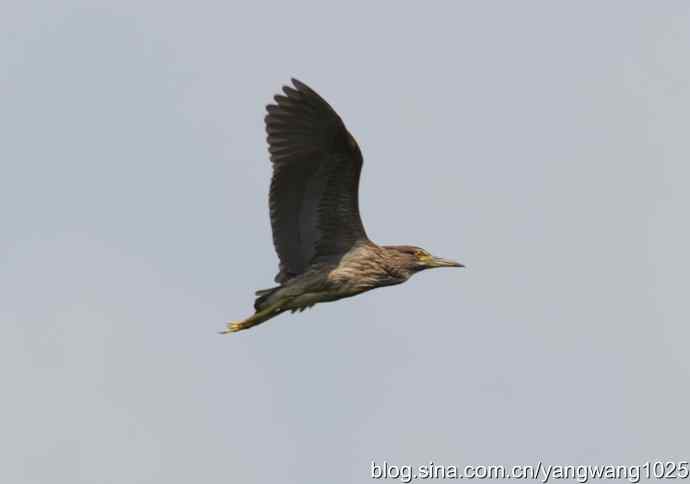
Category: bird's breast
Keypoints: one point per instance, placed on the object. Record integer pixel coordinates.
(352, 277)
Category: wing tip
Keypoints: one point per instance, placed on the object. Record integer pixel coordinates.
(299, 85)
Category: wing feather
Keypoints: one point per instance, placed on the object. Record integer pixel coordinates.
(313, 198)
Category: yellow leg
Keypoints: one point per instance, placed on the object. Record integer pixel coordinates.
(257, 318)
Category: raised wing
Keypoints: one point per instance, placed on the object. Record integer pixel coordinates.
(316, 166)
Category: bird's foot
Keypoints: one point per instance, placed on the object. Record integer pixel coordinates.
(257, 318)
(232, 327)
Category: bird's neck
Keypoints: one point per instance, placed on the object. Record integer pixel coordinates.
(394, 263)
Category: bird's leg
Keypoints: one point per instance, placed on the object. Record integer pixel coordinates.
(257, 318)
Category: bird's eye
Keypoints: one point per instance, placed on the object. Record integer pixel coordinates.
(421, 254)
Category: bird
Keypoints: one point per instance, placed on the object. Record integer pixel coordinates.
(318, 234)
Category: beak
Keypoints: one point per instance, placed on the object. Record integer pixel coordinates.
(439, 262)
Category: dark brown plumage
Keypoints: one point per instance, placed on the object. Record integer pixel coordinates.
(324, 251)
(316, 167)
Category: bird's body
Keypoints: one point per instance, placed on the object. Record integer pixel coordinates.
(324, 252)
(362, 268)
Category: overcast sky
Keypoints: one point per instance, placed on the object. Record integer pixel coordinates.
(544, 144)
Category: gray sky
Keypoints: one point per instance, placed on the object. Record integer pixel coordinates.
(543, 144)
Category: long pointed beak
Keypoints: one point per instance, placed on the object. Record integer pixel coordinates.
(439, 262)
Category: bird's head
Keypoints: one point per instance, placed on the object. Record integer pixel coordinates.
(415, 259)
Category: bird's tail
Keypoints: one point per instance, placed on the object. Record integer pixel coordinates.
(262, 296)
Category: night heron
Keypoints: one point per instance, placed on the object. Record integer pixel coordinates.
(324, 252)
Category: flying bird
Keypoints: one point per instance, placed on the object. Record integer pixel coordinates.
(324, 251)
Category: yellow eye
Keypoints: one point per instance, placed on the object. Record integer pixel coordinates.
(421, 254)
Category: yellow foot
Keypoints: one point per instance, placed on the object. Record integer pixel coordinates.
(257, 318)
(232, 327)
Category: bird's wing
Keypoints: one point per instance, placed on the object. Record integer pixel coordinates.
(316, 167)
